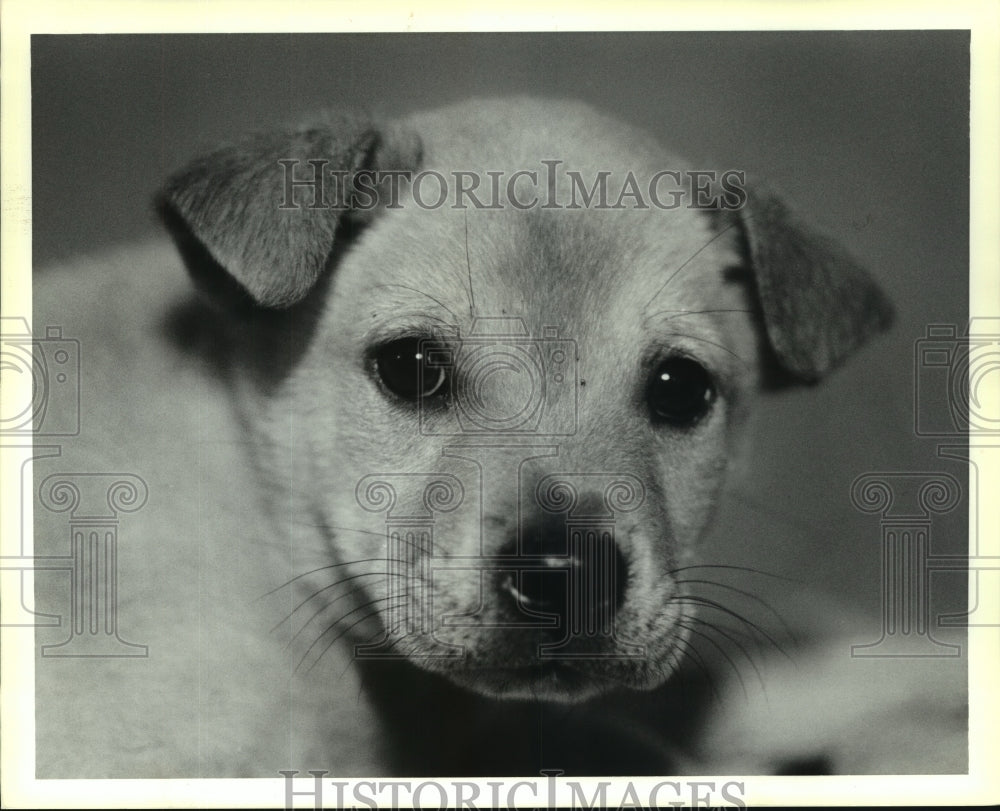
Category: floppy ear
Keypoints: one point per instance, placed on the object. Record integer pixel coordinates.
(818, 304)
(244, 231)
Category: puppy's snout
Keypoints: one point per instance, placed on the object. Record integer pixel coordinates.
(574, 572)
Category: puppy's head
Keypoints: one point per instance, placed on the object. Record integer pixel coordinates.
(504, 414)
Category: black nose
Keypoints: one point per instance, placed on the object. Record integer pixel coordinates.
(574, 571)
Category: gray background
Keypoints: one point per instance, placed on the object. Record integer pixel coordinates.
(867, 132)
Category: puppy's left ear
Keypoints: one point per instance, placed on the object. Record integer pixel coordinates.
(257, 220)
(818, 304)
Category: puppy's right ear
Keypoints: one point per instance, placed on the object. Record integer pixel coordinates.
(819, 305)
(246, 233)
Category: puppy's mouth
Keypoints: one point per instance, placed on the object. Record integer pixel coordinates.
(517, 667)
(552, 618)
(545, 655)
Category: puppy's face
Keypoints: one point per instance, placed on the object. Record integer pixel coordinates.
(604, 407)
(507, 427)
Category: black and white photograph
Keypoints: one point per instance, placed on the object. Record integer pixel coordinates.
(540, 416)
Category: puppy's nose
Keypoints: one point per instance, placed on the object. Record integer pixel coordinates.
(575, 572)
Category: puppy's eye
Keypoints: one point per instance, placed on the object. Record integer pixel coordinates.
(403, 367)
(680, 392)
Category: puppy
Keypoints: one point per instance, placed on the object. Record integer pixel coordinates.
(425, 477)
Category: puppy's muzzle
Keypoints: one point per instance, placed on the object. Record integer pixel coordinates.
(577, 575)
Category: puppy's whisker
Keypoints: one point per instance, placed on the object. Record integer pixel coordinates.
(738, 632)
(686, 263)
(733, 567)
(437, 301)
(370, 613)
(374, 613)
(287, 583)
(722, 652)
(450, 324)
(749, 594)
(691, 599)
(732, 640)
(366, 532)
(322, 609)
(726, 349)
(318, 592)
(353, 659)
(680, 313)
(468, 269)
(684, 647)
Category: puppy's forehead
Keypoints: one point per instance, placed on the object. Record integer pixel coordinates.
(560, 258)
(549, 267)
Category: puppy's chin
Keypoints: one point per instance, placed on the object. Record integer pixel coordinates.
(557, 681)
(508, 666)
(552, 681)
